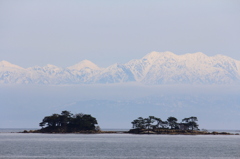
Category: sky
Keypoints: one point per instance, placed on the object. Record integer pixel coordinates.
(65, 32)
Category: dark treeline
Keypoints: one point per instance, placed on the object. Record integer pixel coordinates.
(153, 124)
(67, 122)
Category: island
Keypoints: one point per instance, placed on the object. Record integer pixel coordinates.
(66, 122)
(154, 125)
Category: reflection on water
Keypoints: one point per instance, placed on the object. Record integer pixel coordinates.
(110, 146)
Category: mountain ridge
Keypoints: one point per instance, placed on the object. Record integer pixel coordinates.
(153, 68)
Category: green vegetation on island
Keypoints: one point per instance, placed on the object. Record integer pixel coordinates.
(66, 122)
(154, 125)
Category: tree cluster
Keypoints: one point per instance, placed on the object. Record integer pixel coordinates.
(67, 122)
(153, 123)
(190, 123)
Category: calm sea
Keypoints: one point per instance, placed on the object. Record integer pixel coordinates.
(117, 146)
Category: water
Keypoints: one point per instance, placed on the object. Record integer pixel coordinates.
(228, 131)
(117, 146)
(14, 130)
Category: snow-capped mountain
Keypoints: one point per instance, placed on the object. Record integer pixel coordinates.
(10, 73)
(85, 64)
(166, 67)
(154, 68)
(48, 74)
(83, 72)
(117, 73)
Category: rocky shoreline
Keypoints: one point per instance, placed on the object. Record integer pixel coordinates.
(179, 132)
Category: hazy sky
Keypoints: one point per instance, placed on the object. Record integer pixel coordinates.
(64, 32)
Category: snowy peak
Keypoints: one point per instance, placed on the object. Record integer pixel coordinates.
(151, 55)
(197, 54)
(165, 56)
(5, 64)
(84, 64)
(156, 55)
(169, 68)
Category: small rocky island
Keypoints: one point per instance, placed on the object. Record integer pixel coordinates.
(154, 125)
(66, 122)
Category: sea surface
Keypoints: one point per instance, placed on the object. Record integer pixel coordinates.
(117, 146)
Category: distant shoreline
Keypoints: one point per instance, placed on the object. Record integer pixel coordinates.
(132, 131)
(122, 131)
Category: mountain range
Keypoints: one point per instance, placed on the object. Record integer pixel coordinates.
(154, 68)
